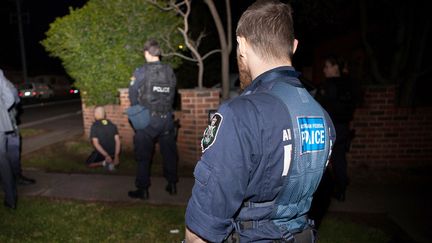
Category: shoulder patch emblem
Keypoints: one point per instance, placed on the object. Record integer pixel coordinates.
(132, 80)
(210, 133)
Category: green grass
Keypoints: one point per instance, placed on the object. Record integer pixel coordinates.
(335, 230)
(70, 157)
(50, 220)
(30, 132)
(44, 220)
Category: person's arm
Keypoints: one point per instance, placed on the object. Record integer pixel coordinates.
(191, 237)
(101, 150)
(136, 80)
(6, 94)
(222, 174)
(117, 149)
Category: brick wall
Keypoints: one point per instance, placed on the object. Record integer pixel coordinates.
(195, 104)
(390, 136)
(386, 135)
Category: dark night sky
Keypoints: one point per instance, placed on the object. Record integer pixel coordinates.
(314, 24)
(39, 14)
(37, 17)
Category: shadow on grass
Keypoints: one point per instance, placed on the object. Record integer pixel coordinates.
(70, 156)
(375, 227)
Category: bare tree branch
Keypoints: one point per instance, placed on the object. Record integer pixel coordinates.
(183, 9)
(223, 45)
(211, 53)
(369, 51)
(229, 25)
(179, 55)
(199, 38)
(172, 5)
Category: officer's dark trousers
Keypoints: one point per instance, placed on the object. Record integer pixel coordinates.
(13, 151)
(160, 129)
(6, 174)
(338, 157)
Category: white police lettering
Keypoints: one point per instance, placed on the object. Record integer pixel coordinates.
(286, 135)
(161, 89)
(313, 134)
(314, 137)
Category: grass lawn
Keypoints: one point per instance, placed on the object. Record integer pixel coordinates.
(49, 220)
(30, 132)
(70, 156)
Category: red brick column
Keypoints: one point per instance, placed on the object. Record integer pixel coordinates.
(195, 103)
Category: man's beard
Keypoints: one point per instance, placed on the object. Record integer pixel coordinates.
(244, 73)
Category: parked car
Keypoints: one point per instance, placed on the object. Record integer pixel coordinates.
(73, 91)
(35, 90)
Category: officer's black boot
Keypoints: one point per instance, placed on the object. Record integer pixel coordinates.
(171, 188)
(139, 194)
(10, 205)
(22, 180)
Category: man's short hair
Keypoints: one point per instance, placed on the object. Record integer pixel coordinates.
(268, 27)
(152, 46)
(337, 60)
(99, 112)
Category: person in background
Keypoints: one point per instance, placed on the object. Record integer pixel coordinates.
(106, 141)
(265, 151)
(13, 140)
(6, 173)
(153, 87)
(339, 96)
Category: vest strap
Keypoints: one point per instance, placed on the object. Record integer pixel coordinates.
(258, 205)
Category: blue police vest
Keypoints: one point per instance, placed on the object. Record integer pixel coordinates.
(305, 158)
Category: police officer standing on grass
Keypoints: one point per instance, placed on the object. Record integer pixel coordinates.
(6, 173)
(266, 150)
(339, 96)
(153, 86)
(13, 140)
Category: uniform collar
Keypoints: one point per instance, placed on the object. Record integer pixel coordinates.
(283, 72)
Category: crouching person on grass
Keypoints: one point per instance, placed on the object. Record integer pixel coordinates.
(106, 141)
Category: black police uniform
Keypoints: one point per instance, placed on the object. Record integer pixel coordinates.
(104, 130)
(153, 86)
(339, 98)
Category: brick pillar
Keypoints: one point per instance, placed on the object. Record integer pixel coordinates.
(195, 103)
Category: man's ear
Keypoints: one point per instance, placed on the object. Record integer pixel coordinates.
(242, 46)
(295, 44)
(146, 55)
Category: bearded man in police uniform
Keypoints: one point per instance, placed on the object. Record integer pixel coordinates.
(153, 86)
(265, 158)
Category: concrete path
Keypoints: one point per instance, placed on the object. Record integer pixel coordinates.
(96, 187)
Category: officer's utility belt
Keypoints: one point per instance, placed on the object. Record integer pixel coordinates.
(306, 236)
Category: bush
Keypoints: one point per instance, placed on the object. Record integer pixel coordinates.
(100, 44)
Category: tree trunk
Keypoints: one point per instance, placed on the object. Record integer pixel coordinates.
(224, 43)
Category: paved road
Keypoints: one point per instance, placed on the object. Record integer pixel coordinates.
(60, 120)
(40, 111)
